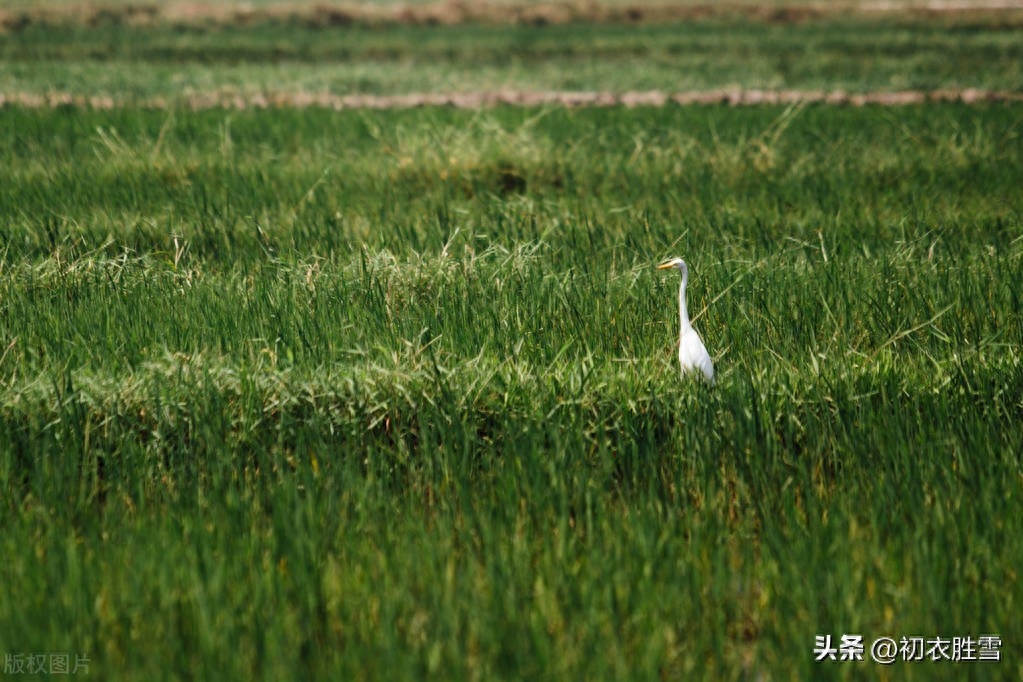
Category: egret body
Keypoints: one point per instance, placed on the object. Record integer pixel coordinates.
(692, 354)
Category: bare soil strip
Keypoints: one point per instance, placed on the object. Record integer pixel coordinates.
(473, 100)
(452, 12)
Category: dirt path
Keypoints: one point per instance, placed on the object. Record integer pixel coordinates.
(472, 100)
(20, 15)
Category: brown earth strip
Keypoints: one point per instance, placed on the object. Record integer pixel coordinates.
(471, 100)
(449, 12)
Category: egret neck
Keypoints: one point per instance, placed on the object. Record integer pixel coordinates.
(683, 312)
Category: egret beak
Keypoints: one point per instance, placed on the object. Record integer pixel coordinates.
(665, 266)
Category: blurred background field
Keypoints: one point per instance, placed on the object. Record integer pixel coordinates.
(295, 393)
(280, 56)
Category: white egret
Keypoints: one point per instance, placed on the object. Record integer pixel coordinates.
(692, 354)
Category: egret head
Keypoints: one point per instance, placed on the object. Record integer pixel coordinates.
(674, 263)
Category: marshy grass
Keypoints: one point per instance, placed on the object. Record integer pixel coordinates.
(295, 394)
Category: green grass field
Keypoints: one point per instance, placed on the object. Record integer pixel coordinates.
(136, 64)
(303, 394)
